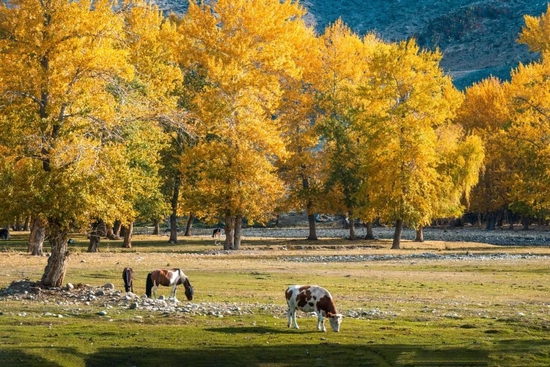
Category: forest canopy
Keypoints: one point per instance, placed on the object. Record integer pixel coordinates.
(113, 112)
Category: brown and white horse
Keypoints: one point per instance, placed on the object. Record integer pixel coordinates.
(128, 277)
(172, 277)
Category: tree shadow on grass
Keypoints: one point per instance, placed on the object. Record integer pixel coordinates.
(254, 330)
(22, 357)
(323, 354)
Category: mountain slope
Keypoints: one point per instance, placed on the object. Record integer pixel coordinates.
(477, 38)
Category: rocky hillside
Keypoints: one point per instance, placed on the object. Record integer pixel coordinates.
(477, 38)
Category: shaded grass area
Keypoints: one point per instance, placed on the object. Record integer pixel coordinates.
(259, 341)
(426, 312)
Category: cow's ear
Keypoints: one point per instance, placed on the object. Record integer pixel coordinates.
(330, 314)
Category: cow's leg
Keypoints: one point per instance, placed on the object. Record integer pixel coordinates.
(289, 316)
(320, 322)
(292, 316)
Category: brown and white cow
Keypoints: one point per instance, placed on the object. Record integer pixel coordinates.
(312, 298)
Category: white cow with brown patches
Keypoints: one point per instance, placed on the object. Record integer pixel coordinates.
(312, 298)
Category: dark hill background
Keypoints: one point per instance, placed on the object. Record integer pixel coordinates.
(477, 38)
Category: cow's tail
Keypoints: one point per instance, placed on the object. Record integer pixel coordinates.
(148, 285)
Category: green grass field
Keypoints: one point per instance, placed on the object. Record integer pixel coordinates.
(410, 313)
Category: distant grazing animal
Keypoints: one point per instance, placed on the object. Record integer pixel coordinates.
(128, 276)
(217, 233)
(172, 277)
(312, 298)
(4, 234)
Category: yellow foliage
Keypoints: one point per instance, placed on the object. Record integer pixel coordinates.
(527, 137)
(407, 100)
(536, 32)
(68, 98)
(246, 50)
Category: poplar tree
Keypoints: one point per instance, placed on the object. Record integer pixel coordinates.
(486, 113)
(345, 63)
(244, 49)
(406, 100)
(71, 101)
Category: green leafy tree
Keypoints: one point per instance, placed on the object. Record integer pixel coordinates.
(345, 61)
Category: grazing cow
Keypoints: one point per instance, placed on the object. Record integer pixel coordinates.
(312, 298)
(4, 234)
(167, 278)
(128, 276)
(217, 233)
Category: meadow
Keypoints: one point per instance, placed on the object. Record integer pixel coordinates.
(422, 310)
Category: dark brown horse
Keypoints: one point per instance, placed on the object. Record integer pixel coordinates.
(128, 277)
(172, 277)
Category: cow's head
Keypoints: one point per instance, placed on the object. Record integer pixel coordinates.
(335, 320)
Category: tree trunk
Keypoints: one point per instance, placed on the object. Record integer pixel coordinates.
(238, 232)
(369, 235)
(174, 205)
(173, 228)
(310, 215)
(122, 231)
(352, 235)
(189, 224)
(37, 237)
(95, 237)
(27, 223)
(54, 273)
(101, 228)
(17, 225)
(312, 227)
(111, 233)
(491, 221)
(127, 243)
(525, 222)
(419, 234)
(229, 232)
(156, 227)
(396, 245)
(117, 228)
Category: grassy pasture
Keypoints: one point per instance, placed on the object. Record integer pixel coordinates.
(413, 312)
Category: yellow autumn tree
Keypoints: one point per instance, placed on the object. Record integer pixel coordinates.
(528, 139)
(406, 99)
(344, 69)
(243, 48)
(301, 171)
(486, 113)
(153, 105)
(66, 86)
(461, 158)
(536, 32)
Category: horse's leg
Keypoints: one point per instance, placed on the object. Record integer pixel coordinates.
(173, 293)
(154, 291)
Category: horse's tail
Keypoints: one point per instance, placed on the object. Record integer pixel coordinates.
(148, 285)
